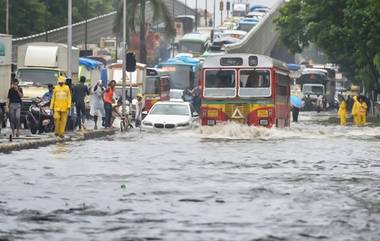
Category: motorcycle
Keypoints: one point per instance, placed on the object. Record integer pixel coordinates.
(40, 117)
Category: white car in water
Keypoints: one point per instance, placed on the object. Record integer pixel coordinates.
(170, 115)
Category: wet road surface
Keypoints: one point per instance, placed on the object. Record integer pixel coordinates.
(309, 182)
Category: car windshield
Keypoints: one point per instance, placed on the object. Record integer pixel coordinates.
(170, 109)
(246, 26)
(220, 83)
(38, 76)
(190, 47)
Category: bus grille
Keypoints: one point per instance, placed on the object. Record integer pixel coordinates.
(231, 110)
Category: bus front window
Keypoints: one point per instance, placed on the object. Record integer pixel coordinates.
(38, 76)
(220, 83)
(180, 77)
(190, 47)
(255, 83)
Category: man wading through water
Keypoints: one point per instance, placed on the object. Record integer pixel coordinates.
(60, 105)
(80, 91)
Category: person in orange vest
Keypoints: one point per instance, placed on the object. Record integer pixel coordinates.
(363, 111)
(342, 110)
(108, 100)
(355, 111)
(60, 105)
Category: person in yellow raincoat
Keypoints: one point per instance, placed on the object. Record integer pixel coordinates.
(60, 104)
(363, 111)
(355, 111)
(342, 111)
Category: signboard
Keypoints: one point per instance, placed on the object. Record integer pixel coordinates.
(5, 49)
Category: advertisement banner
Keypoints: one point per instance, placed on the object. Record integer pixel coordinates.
(5, 49)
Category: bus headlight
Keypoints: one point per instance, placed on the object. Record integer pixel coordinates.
(263, 122)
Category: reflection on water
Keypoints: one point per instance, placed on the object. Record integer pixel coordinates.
(231, 182)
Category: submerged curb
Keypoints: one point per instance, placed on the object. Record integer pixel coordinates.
(45, 141)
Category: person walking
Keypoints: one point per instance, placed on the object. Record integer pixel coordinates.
(14, 107)
(363, 110)
(139, 109)
(80, 91)
(319, 103)
(355, 111)
(97, 104)
(60, 105)
(108, 100)
(342, 110)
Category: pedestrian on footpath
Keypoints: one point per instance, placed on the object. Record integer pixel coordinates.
(60, 105)
(342, 110)
(14, 107)
(97, 103)
(355, 111)
(80, 91)
(363, 110)
(108, 100)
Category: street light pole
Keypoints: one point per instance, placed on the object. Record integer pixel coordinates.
(69, 39)
(123, 89)
(7, 18)
(206, 11)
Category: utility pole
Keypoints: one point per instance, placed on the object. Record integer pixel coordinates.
(7, 17)
(221, 8)
(85, 26)
(69, 39)
(206, 11)
(123, 89)
(214, 13)
(185, 7)
(196, 15)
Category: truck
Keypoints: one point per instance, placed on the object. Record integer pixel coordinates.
(40, 64)
(5, 72)
(316, 82)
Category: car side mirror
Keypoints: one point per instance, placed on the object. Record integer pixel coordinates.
(195, 114)
(144, 112)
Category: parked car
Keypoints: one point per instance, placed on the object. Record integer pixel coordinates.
(170, 115)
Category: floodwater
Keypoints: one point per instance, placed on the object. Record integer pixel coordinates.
(310, 182)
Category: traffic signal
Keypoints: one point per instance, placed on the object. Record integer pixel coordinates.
(221, 5)
(131, 62)
(228, 6)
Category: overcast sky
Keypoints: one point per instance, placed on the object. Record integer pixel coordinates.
(210, 5)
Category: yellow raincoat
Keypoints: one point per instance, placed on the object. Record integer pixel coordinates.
(356, 111)
(60, 103)
(363, 113)
(342, 113)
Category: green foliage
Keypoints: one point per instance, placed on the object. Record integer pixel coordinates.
(35, 16)
(345, 30)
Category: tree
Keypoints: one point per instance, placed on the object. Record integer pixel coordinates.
(345, 30)
(26, 17)
(160, 14)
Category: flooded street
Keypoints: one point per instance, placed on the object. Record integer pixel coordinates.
(310, 182)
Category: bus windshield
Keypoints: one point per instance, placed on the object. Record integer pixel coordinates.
(190, 47)
(220, 83)
(38, 76)
(152, 85)
(313, 89)
(255, 83)
(180, 77)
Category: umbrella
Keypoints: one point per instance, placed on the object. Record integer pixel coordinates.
(295, 101)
